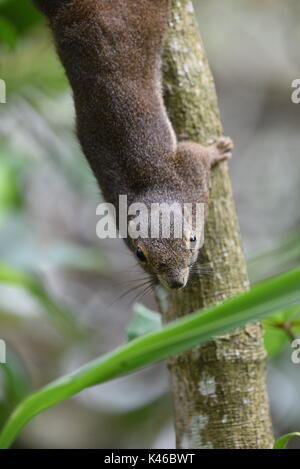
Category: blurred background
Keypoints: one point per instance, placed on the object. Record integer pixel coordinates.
(64, 294)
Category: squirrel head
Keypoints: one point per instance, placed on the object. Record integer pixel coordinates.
(168, 259)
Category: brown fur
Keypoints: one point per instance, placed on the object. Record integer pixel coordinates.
(111, 50)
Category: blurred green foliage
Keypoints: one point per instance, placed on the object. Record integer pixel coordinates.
(14, 384)
(17, 18)
(183, 334)
(10, 191)
(282, 442)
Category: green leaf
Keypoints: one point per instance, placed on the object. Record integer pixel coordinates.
(285, 316)
(10, 195)
(8, 34)
(280, 329)
(283, 440)
(3, 2)
(14, 383)
(23, 15)
(144, 321)
(265, 298)
(275, 339)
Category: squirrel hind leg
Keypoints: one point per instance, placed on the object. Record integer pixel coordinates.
(220, 150)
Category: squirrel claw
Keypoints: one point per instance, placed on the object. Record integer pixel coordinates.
(221, 150)
(224, 144)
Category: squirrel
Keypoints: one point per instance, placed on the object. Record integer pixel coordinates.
(111, 51)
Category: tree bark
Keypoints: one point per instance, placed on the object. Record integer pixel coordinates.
(219, 389)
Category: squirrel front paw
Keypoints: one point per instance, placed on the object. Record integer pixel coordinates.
(221, 150)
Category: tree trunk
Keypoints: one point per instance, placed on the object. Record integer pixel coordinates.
(219, 389)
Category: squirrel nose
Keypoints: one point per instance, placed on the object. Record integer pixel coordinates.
(174, 279)
(176, 284)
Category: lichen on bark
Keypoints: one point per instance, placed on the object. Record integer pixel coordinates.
(219, 389)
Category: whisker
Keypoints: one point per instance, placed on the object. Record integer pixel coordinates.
(197, 269)
(133, 280)
(128, 292)
(141, 295)
(201, 269)
(202, 273)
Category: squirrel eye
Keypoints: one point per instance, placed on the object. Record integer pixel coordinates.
(193, 238)
(140, 255)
